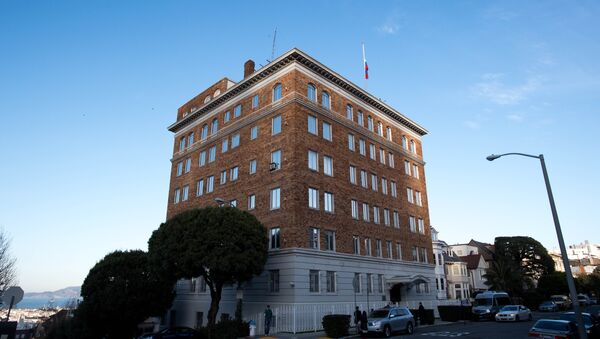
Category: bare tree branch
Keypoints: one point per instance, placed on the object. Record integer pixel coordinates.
(8, 269)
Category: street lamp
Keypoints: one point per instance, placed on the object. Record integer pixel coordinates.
(561, 242)
(222, 202)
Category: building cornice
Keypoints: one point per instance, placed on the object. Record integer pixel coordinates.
(297, 56)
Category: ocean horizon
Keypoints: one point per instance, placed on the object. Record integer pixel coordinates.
(36, 303)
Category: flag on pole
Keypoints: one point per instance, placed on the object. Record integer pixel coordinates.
(365, 63)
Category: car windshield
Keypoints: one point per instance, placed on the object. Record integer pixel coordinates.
(509, 308)
(552, 325)
(379, 314)
(572, 317)
(484, 302)
(548, 303)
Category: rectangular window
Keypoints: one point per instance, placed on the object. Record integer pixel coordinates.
(181, 144)
(391, 162)
(421, 225)
(362, 148)
(398, 251)
(412, 224)
(210, 184)
(179, 168)
(355, 245)
(380, 283)
(354, 205)
(330, 277)
(352, 175)
(235, 140)
(274, 281)
(415, 256)
(237, 111)
(313, 160)
(314, 281)
(185, 193)
(349, 114)
(406, 167)
(382, 156)
(227, 116)
(418, 198)
(368, 246)
(275, 198)
(200, 188)
(255, 101)
(328, 165)
(225, 145)
(274, 238)
(416, 171)
(223, 177)
(372, 151)
(376, 214)
(389, 249)
(351, 142)
(389, 134)
(327, 134)
(253, 132)
(386, 216)
(378, 248)
(276, 125)
(312, 125)
(409, 195)
(364, 179)
(188, 164)
(370, 283)
(234, 173)
(365, 211)
(396, 220)
(356, 283)
(329, 240)
(212, 154)
(370, 123)
(251, 202)
(313, 238)
(373, 182)
(276, 160)
(380, 128)
(313, 198)
(384, 187)
(423, 255)
(359, 118)
(393, 190)
(202, 158)
(328, 201)
(252, 166)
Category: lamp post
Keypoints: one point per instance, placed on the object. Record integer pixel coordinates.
(222, 202)
(561, 242)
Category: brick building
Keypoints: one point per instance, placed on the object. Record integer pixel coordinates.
(335, 175)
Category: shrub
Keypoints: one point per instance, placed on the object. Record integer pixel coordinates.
(455, 313)
(336, 325)
(227, 329)
(428, 318)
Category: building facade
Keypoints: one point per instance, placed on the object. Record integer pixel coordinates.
(439, 247)
(336, 176)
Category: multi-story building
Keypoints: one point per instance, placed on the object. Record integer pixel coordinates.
(439, 247)
(458, 278)
(336, 175)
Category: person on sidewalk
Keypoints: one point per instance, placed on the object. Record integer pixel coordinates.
(363, 322)
(268, 318)
(357, 317)
(421, 314)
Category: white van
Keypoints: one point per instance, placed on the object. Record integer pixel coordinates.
(488, 303)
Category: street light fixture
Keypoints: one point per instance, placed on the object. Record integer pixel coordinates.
(222, 202)
(561, 242)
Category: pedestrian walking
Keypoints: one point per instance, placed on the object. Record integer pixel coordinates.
(421, 313)
(268, 318)
(357, 316)
(363, 322)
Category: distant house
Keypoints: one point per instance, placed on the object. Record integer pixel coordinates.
(474, 252)
(476, 267)
(457, 276)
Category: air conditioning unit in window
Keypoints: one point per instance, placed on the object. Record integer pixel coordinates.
(273, 166)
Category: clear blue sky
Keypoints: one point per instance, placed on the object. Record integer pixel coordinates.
(87, 90)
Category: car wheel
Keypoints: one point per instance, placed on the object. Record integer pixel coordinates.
(387, 331)
(409, 328)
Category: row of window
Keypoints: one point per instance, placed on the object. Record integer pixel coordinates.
(413, 196)
(415, 224)
(362, 150)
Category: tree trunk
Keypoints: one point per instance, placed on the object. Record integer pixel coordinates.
(215, 299)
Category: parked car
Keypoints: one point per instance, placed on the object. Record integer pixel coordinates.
(388, 320)
(488, 303)
(583, 300)
(513, 313)
(562, 301)
(550, 328)
(592, 325)
(172, 333)
(548, 306)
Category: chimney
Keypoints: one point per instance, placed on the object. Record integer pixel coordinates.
(248, 68)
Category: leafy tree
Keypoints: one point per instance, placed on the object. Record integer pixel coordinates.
(503, 275)
(553, 283)
(8, 269)
(589, 284)
(526, 253)
(224, 245)
(119, 292)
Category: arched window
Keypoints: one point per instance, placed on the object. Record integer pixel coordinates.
(349, 113)
(215, 126)
(404, 142)
(190, 139)
(311, 93)
(217, 93)
(380, 128)
(204, 132)
(207, 99)
(370, 123)
(325, 101)
(413, 146)
(276, 92)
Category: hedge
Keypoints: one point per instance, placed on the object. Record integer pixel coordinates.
(455, 313)
(336, 325)
(429, 317)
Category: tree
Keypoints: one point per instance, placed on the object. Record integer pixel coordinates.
(224, 245)
(503, 275)
(8, 269)
(553, 283)
(119, 292)
(527, 254)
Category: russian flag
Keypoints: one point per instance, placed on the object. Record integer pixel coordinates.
(366, 70)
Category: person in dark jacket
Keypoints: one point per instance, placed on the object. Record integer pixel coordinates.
(357, 317)
(421, 314)
(363, 322)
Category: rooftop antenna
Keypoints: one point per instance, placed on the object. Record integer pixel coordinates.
(273, 49)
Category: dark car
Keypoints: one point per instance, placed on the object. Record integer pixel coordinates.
(173, 333)
(548, 306)
(592, 326)
(550, 328)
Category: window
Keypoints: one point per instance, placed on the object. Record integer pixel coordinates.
(329, 240)
(356, 283)
(386, 217)
(234, 173)
(235, 140)
(179, 168)
(368, 246)
(393, 189)
(313, 198)
(225, 145)
(370, 123)
(382, 156)
(325, 100)
(276, 125)
(237, 111)
(409, 195)
(314, 281)
(404, 142)
(412, 224)
(376, 214)
(233, 203)
(373, 182)
(212, 154)
(254, 132)
(181, 144)
(311, 93)
(351, 142)
(354, 205)
(380, 128)
(418, 200)
(416, 171)
(423, 255)
(255, 101)
(384, 187)
(210, 184)
(365, 211)
(204, 133)
(214, 127)
(328, 166)
(275, 198)
(398, 251)
(276, 159)
(349, 114)
(274, 238)
(252, 166)
(413, 147)
(185, 193)
(274, 281)
(176, 196)
(391, 160)
(251, 202)
(362, 147)
(389, 134)
(406, 167)
(396, 220)
(312, 125)
(313, 238)
(330, 279)
(313, 160)
(364, 179)
(415, 256)
(370, 283)
(380, 283)
(327, 131)
(359, 117)
(389, 249)
(378, 248)
(372, 151)
(200, 188)
(202, 158)
(355, 245)
(352, 175)
(190, 139)
(227, 116)
(421, 224)
(223, 177)
(328, 201)
(276, 92)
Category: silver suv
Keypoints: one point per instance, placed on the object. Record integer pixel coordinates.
(391, 319)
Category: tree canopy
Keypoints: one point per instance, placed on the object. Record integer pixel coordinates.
(526, 253)
(224, 245)
(119, 292)
(504, 275)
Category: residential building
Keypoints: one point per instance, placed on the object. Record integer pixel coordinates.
(439, 247)
(458, 278)
(476, 267)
